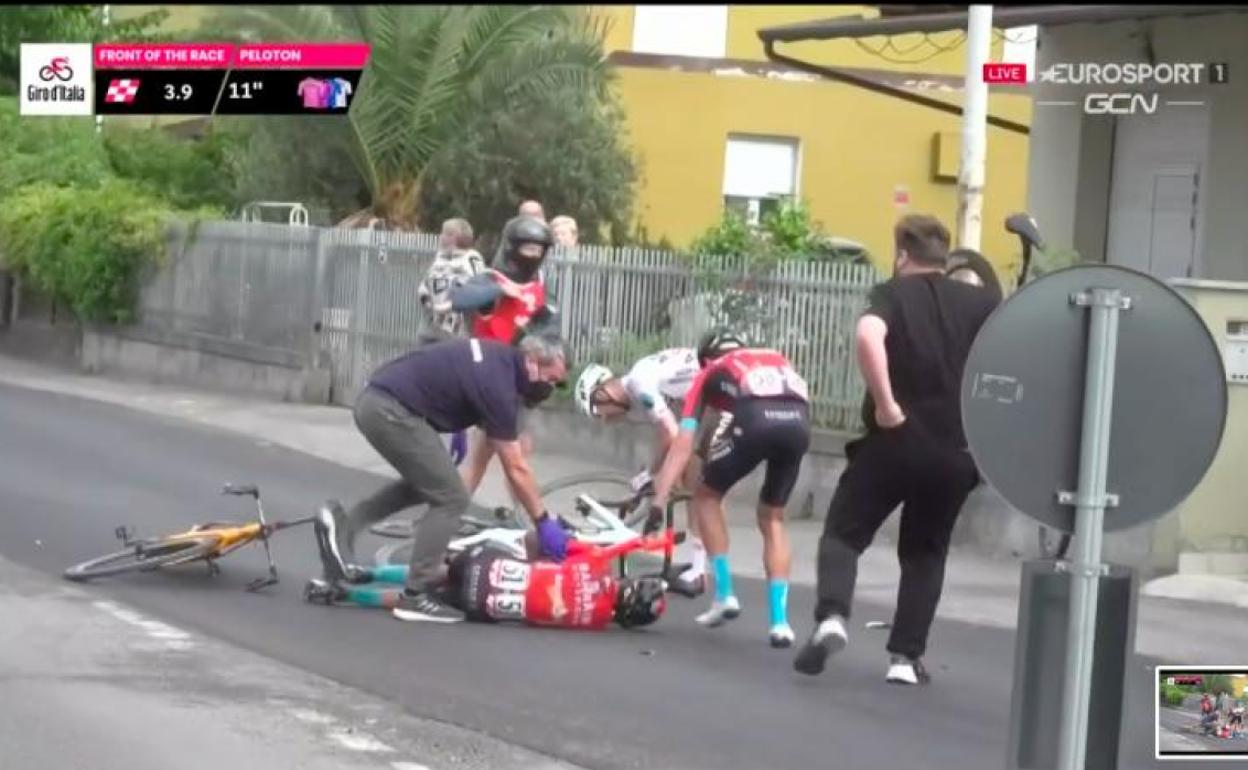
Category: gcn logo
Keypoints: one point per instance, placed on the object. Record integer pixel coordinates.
(1120, 104)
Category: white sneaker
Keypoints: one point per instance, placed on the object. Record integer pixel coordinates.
(781, 636)
(903, 670)
(827, 638)
(728, 609)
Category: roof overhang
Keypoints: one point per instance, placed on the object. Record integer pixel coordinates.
(1003, 17)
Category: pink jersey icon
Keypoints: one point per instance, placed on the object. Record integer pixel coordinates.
(315, 93)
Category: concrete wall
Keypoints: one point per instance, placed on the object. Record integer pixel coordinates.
(202, 362)
(1072, 154)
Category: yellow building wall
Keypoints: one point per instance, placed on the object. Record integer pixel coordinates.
(855, 148)
(942, 53)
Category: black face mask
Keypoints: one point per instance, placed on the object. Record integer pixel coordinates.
(537, 392)
(521, 269)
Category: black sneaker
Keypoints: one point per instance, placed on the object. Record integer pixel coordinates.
(325, 592)
(425, 607)
(678, 585)
(903, 670)
(828, 637)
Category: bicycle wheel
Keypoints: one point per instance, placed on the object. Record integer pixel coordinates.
(1053, 544)
(613, 490)
(145, 557)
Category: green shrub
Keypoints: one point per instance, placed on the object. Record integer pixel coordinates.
(185, 172)
(85, 248)
(59, 151)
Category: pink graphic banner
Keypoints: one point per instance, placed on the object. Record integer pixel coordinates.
(132, 56)
(258, 56)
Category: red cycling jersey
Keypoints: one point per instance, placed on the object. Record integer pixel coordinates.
(576, 593)
(509, 315)
(742, 375)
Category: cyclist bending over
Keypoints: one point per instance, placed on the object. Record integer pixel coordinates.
(765, 417)
(648, 387)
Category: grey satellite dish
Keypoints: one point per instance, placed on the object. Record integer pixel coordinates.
(1022, 397)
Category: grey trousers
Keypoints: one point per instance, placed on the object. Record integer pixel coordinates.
(417, 452)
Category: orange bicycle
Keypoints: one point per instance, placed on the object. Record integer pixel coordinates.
(202, 542)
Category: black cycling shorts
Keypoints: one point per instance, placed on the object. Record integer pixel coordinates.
(775, 431)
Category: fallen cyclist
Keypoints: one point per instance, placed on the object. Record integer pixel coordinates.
(489, 584)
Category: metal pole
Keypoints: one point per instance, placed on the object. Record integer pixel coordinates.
(1090, 502)
(974, 127)
(99, 119)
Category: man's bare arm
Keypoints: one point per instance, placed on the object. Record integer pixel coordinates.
(873, 363)
(520, 476)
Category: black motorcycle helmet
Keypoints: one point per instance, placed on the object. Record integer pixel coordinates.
(640, 602)
(519, 232)
(717, 342)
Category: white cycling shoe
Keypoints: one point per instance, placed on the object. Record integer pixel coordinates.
(781, 636)
(728, 609)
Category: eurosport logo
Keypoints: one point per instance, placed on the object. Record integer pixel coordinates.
(1170, 75)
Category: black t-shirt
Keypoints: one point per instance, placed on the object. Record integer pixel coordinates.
(460, 384)
(932, 322)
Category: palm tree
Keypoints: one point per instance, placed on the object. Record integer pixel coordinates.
(431, 70)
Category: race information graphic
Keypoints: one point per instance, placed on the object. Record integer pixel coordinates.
(227, 79)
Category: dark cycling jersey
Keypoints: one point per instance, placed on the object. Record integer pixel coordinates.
(742, 375)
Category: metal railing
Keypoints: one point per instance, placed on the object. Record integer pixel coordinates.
(346, 299)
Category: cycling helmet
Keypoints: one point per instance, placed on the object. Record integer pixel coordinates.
(717, 342)
(640, 602)
(593, 376)
(518, 232)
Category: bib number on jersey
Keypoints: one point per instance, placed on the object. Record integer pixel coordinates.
(773, 381)
(509, 575)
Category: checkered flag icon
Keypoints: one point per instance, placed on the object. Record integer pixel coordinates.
(122, 91)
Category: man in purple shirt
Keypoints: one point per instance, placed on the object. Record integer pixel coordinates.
(409, 402)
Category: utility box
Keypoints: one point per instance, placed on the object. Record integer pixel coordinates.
(1039, 666)
(1211, 520)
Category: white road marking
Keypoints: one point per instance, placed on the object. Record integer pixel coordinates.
(174, 638)
(358, 741)
(408, 766)
(312, 717)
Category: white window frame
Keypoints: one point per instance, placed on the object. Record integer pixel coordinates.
(681, 30)
(735, 191)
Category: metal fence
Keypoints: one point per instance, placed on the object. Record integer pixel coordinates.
(346, 300)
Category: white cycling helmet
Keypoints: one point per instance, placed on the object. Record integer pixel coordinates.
(593, 376)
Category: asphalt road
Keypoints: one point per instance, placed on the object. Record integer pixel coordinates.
(673, 696)
(1177, 735)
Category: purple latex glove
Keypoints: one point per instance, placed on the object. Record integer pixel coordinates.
(553, 537)
(459, 447)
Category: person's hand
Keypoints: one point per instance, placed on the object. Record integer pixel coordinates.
(889, 415)
(654, 521)
(640, 481)
(553, 537)
(510, 289)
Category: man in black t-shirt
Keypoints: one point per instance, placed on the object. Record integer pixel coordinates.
(442, 388)
(912, 345)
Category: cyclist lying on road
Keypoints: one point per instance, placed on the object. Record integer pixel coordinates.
(488, 584)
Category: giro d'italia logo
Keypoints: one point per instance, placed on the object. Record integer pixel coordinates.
(56, 79)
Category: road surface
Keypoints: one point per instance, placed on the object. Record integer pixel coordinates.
(673, 696)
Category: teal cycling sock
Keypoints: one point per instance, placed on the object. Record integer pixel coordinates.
(778, 591)
(373, 596)
(390, 573)
(723, 576)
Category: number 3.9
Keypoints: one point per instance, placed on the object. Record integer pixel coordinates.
(181, 93)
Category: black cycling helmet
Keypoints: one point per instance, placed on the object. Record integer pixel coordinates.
(640, 602)
(717, 342)
(518, 232)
